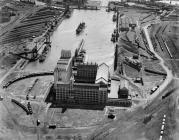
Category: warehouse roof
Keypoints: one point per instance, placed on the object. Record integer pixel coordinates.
(102, 73)
(124, 85)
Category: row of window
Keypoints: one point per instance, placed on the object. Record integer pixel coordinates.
(65, 90)
(80, 101)
(81, 96)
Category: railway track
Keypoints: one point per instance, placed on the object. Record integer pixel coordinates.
(36, 27)
(162, 43)
(31, 34)
(38, 18)
(27, 76)
(29, 28)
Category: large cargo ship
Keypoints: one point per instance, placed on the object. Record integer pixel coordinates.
(80, 28)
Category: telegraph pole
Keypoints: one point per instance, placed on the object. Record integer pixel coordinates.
(117, 24)
(38, 130)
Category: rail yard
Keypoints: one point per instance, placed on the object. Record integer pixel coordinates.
(89, 70)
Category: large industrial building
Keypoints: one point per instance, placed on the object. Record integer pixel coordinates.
(87, 89)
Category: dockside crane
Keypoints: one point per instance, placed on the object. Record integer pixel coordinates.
(30, 55)
(47, 39)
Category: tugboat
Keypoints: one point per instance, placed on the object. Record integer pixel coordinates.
(114, 18)
(80, 28)
(68, 14)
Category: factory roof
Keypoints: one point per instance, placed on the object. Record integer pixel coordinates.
(102, 74)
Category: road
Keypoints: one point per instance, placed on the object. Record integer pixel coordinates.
(169, 76)
(16, 21)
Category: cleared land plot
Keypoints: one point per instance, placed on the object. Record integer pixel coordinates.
(170, 39)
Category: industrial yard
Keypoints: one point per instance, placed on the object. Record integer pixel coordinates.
(88, 70)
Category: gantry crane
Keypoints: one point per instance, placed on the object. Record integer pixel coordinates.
(33, 55)
(30, 55)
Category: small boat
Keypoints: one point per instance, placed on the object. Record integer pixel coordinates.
(80, 28)
(68, 15)
(114, 18)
